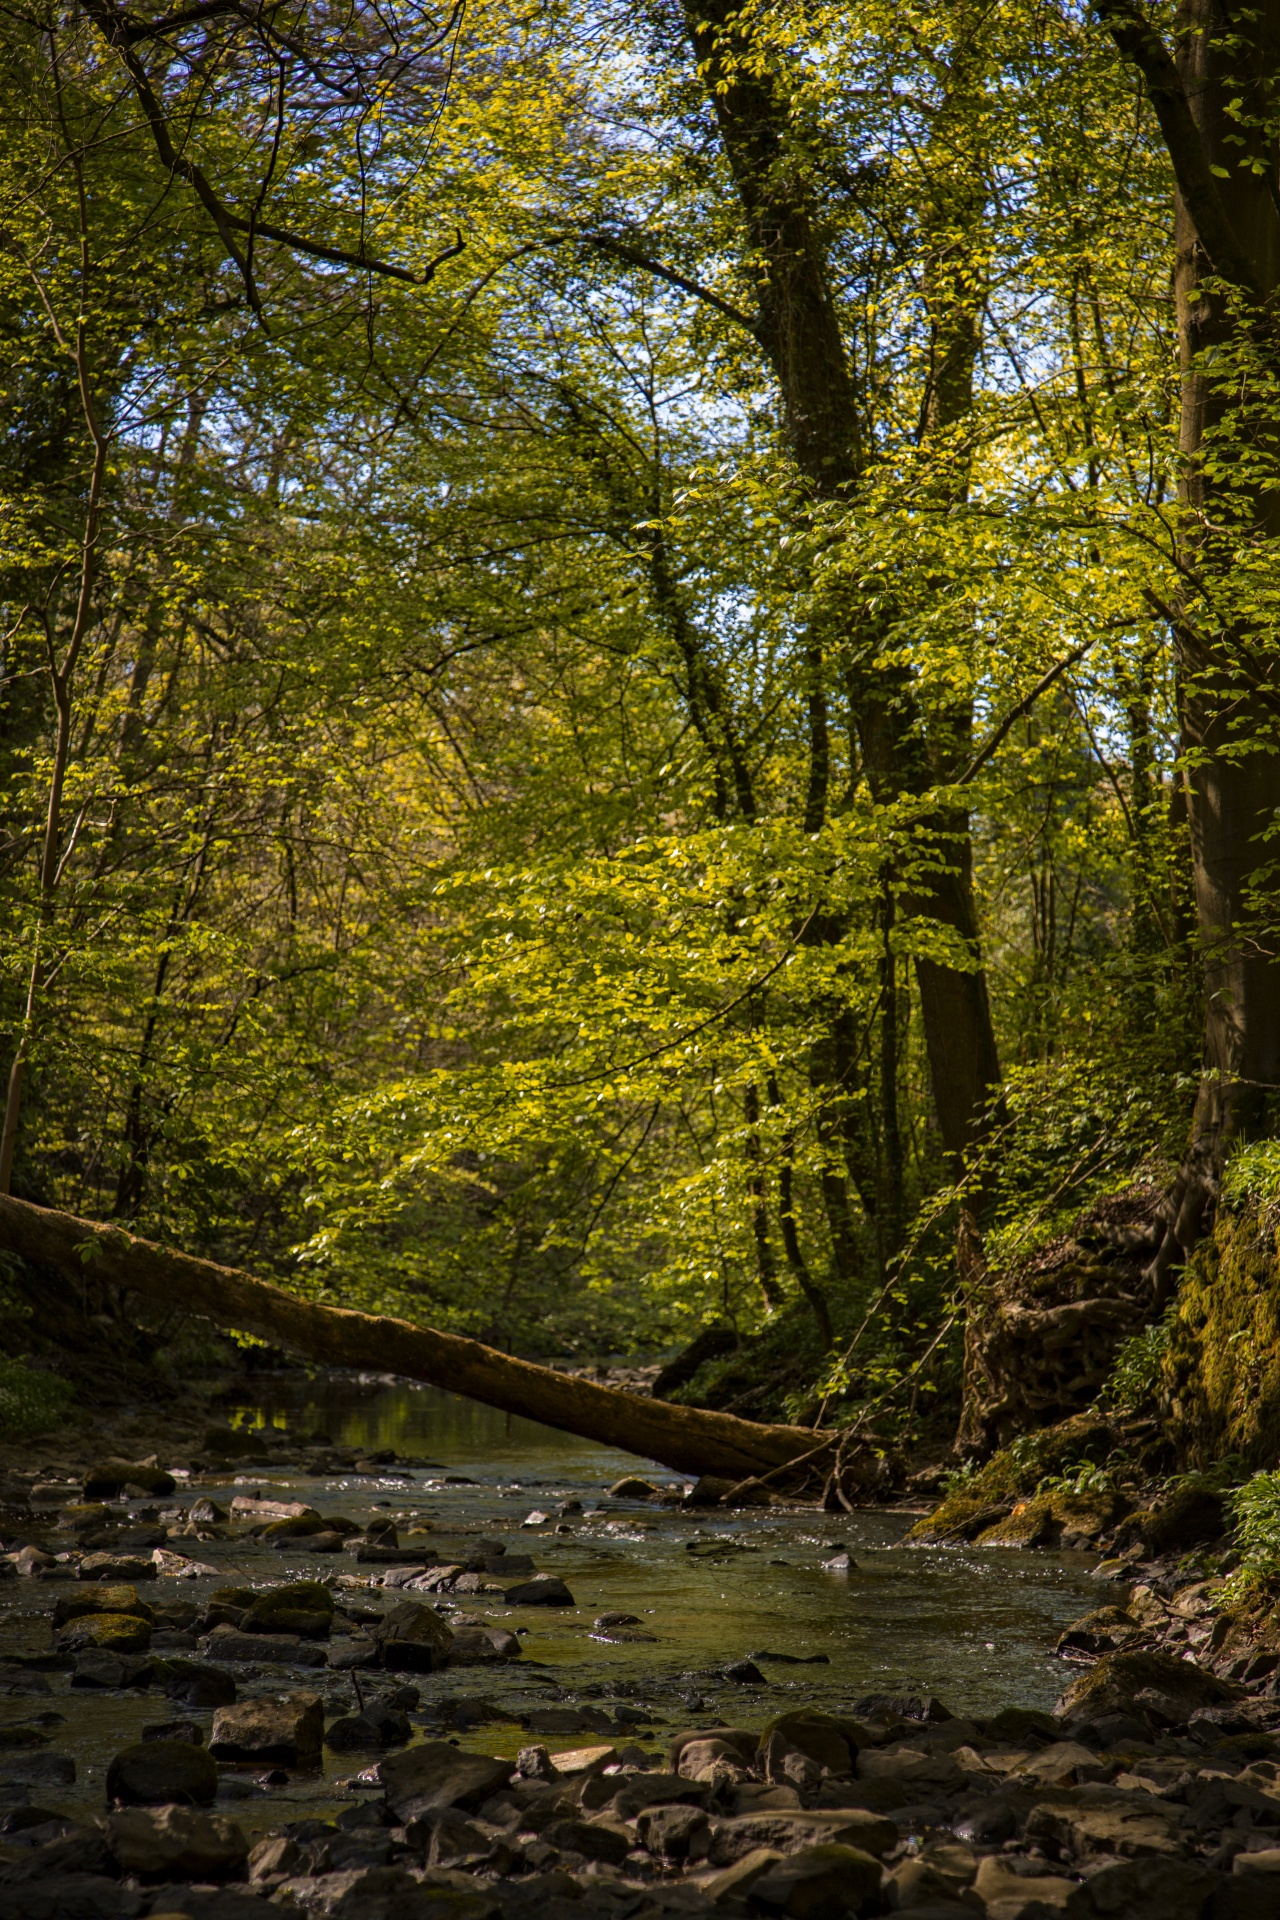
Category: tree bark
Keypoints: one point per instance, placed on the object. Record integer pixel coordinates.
(799, 331)
(688, 1439)
(1214, 100)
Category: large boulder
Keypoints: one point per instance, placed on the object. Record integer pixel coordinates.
(282, 1730)
(158, 1773)
(173, 1843)
(1152, 1685)
(412, 1638)
(434, 1775)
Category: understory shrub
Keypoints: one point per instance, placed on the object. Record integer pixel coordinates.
(30, 1400)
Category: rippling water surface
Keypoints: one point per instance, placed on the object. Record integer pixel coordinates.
(975, 1628)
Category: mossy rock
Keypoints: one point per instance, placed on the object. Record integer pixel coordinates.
(1105, 1630)
(1157, 1685)
(299, 1596)
(1189, 1514)
(1222, 1370)
(301, 1527)
(304, 1607)
(117, 1598)
(112, 1632)
(1089, 1514)
(1031, 1524)
(962, 1516)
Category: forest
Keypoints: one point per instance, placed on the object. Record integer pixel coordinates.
(640, 679)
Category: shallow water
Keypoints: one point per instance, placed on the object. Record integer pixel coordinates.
(976, 1628)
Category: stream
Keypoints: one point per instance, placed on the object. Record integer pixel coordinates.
(976, 1628)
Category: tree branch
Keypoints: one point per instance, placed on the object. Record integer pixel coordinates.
(1139, 42)
(1023, 707)
(621, 250)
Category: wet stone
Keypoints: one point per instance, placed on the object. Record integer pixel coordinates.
(174, 1842)
(285, 1728)
(162, 1772)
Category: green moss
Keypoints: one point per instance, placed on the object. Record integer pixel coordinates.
(981, 1501)
(1222, 1370)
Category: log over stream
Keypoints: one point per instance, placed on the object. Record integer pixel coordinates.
(688, 1439)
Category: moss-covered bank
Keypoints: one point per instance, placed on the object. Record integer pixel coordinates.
(1222, 1369)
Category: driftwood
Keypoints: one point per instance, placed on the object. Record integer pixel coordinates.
(688, 1439)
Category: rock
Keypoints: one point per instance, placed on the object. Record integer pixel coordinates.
(1105, 1820)
(249, 1507)
(285, 1728)
(73, 1896)
(535, 1519)
(593, 1839)
(1105, 1630)
(377, 1726)
(544, 1590)
(115, 1632)
(96, 1599)
(1187, 1515)
(196, 1685)
(235, 1443)
(787, 1830)
(275, 1854)
(303, 1607)
(1145, 1890)
(30, 1561)
(172, 1843)
(578, 1761)
(1152, 1685)
(474, 1646)
(675, 1832)
(901, 1706)
(939, 1872)
(830, 1742)
(745, 1673)
(736, 1881)
(175, 1730)
(159, 1773)
(1007, 1895)
(412, 1638)
(98, 1668)
(632, 1487)
(710, 1759)
(818, 1883)
(111, 1480)
(116, 1566)
(286, 1649)
(436, 1775)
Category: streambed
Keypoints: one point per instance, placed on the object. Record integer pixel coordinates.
(976, 1628)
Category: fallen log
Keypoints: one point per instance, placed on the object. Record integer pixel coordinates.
(688, 1439)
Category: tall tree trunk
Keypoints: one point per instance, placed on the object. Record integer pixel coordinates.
(1214, 98)
(799, 331)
